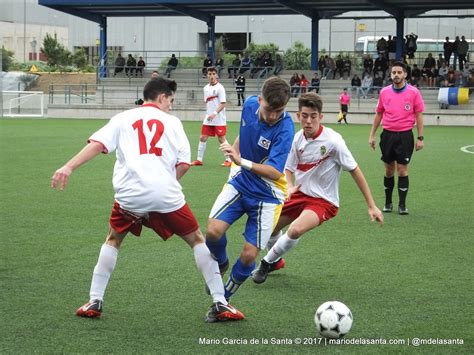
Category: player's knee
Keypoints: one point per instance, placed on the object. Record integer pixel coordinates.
(295, 231)
(249, 254)
(213, 232)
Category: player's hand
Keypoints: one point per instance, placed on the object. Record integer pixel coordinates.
(60, 177)
(292, 190)
(372, 142)
(375, 215)
(229, 151)
(419, 145)
(211, 116)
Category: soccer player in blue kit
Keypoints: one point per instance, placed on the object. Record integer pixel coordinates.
(259, 188)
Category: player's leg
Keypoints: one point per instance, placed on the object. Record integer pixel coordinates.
(403, 184)
(201, 147)
(404, 153)
(388, 142)
(226, 210)
(222, 139)
(101, 274)
(262, 218)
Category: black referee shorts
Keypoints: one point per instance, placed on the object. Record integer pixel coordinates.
(397, 146)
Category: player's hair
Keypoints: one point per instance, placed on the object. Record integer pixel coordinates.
(212, 69)
(276, 92)
(157, 86)
(311, 100)
(400, 64)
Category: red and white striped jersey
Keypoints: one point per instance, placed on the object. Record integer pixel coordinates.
(317, 163)
(214, 95)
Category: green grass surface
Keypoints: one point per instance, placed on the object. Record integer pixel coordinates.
(413, 278)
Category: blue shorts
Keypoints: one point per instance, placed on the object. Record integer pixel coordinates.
(230, 205)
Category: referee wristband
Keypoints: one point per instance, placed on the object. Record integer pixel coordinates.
(246, 164)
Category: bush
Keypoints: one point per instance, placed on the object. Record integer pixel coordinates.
(79, 58)
(298, 57)
(7, 59)
(56, 53)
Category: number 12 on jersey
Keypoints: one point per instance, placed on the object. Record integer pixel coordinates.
(159, 129)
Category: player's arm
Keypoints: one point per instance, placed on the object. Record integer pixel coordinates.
(290, 178)
(61, 176)
(216, 112)
(260, 169)
(375, 125)
(374, 212)
(236, 144)
(181, 169)
(420, 128)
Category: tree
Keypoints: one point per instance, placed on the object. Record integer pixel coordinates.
(56, 53)
(7, 59)
(298, 57)
(79, 58)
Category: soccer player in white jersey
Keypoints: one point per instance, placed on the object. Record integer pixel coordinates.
(317, 156)
(152, 154)
(214, 123)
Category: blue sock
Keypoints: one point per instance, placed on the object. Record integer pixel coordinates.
(218, 249)
(239, 274)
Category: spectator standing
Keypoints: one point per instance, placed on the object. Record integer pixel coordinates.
(278, 64)
(140, 66)
(172, 64)
(119, 64)
(232, 70)
(322, 65)
(219, 66)
(240, 89)
(368, 64)
(339, 67)
(377, 83)
(206, 64)
(448, 48)
(455, 51)
(131, 65)
(463, 48)
(347, 67)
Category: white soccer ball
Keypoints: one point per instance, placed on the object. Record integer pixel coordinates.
(333, 319)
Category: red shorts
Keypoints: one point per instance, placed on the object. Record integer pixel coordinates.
(180, 222)
(300, 202)
(213, 130)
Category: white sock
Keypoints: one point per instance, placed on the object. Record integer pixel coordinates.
(273, 239)
(201, 150)
(282, 246)
(102, 271)
(210, 271)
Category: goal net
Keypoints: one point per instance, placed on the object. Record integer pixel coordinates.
(22, 103)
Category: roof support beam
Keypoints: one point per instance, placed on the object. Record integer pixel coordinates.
(190, 12)
(303, 10)
(392, 10)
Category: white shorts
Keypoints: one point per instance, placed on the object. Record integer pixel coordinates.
(230, 205)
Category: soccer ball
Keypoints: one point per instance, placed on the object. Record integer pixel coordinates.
(333, 319)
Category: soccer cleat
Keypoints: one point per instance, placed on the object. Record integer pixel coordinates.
(92, 309)
(226, 163)
(402, 210)
(387, 208)
(260, 275)
(277, 265)
(196, 163)
(220, 312)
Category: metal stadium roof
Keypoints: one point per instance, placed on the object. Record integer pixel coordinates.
(204, 9)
